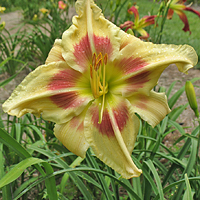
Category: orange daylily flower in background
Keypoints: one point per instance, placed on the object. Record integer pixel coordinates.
(138, 24)
(62, 5)
(178, 7)
(94, 81)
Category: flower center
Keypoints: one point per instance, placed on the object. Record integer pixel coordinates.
(97, 75)
(98, 79)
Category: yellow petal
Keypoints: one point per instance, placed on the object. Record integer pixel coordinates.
(113, 140)
(90, 33)
(50, 90)
(55, 54)
(152, 108)
(71, 134)
(141, 63)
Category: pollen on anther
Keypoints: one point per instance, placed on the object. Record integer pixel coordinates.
(105, 58)
(94, 59)
(98, 65)
(99, 57)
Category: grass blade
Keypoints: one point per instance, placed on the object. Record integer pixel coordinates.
(181, 154)
(157, 179)
(23, 186)
(50, 182)
(6, 190)
(174, 184)
(188, 192)
(64, 165)
(170, 89)
(188, 169)
(16, 171)
(13, 144)
(100, 178)
(5, 82)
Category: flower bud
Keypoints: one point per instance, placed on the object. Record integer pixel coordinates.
(191, 96)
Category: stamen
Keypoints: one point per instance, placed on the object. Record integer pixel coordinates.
(105, 59)
(98, 65)
(99, 56)
(94, 59)
(98, 83)
(91, 71)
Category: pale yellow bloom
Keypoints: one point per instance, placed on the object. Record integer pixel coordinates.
(94, 81)
(44, 10)
(2, 9)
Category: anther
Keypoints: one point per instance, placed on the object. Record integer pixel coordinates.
(99, 57)
(99, 63)
(94, 59)
(105, 58)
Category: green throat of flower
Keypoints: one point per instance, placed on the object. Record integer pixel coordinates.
(98, 83)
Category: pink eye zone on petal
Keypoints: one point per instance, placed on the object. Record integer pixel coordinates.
(129, 65)
(142, 101)
(83, 53)
(64, 79)
(103, 45)
(139, 80)
(66, 100)
(74, 122)
(105, 128)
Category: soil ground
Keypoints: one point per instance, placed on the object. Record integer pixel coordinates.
(169, 75)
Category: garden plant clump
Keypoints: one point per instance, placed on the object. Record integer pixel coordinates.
(91, 121)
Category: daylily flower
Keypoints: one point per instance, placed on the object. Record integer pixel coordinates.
(178, 7)
(62, 5)
(139, 24)
(44, 11)
(2, 9)
(93, 82)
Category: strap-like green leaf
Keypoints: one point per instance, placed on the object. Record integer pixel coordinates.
(18, 169)
(157, 179)
(188, 192)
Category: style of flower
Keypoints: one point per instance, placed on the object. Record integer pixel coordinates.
(2, 9)
(62, 5)
(139, 24)
(93, 82)
(178, 7)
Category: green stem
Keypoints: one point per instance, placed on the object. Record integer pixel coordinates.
(197, 156)
(159, 38)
